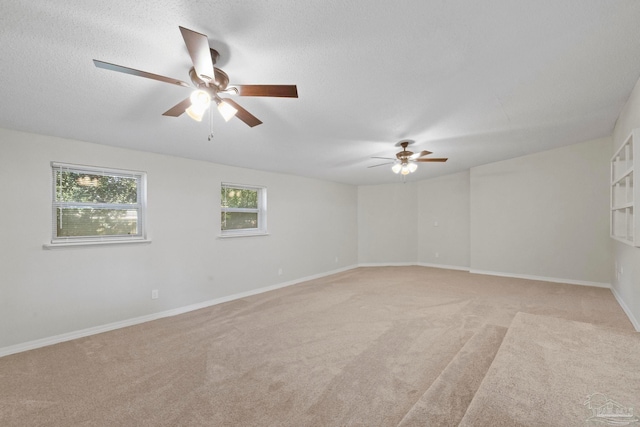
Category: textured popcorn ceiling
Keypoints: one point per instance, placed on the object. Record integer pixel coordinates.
(475, 81)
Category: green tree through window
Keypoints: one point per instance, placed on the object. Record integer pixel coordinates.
(242, 208)
(92, 203)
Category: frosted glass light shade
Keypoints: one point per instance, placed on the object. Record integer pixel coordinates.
(226, 110)
(412, 167)
(396, 168)
(195, 113)
(200, 98)
(200, 101)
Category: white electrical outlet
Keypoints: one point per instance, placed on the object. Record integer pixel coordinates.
(435, 223)
(154, 294)
(280, 271)
(437, 255)
(336, 260)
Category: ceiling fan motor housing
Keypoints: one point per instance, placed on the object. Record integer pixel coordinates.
(220, 82)
(404, 155)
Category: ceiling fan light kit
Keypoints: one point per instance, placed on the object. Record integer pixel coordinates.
(404, 169)
(210, 82)
(406, 161)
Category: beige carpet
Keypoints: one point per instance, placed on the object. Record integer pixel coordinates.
(355, 349)
(545, 370)
(447, 399)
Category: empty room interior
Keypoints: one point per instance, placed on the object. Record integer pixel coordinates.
(336, 213)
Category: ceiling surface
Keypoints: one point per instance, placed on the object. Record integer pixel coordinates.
(474, 81)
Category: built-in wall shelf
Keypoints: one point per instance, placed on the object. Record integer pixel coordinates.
(625, 195)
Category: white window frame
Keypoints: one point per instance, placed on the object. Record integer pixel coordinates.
(261, 210)
(140, 206)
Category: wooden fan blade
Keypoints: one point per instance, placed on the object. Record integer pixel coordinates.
(198, 47)
(178, 109)
(282, 91)
(134, 72)
(421, 154)
(385, 158)
(381, 164)
(431, 160)
(243, 114)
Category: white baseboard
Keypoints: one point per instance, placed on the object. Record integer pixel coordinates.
(489, 273)
(421, 264)
(43, 342)
(444, 266)
(406, 264)
(626, 309)
(386, 264)
(543, 278)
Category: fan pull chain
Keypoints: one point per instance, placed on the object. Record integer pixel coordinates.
(210, 137)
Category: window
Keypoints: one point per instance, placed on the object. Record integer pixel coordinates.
(97, 205)
(243, 210)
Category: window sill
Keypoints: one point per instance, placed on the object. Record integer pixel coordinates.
(93, 243)
(233, 235)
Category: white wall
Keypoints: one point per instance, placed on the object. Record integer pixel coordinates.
(544, 214)
(627, 258)
(445, 201)
(387, 224)
(49, 292)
